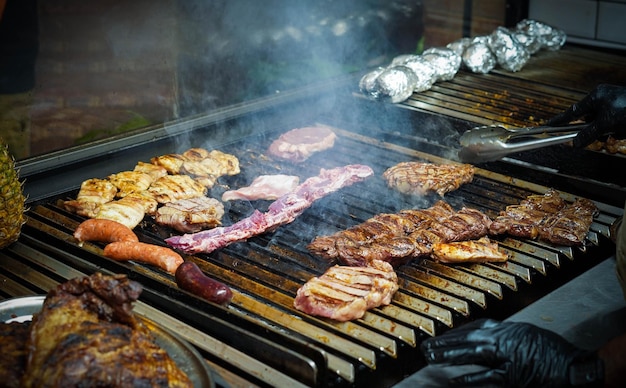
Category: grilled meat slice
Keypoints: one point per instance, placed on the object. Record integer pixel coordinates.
(87, 335)
(547, 217)
(130, 182)
(174, 187)
(472, 251)
(299, 144)
(13, 357)
(570, 225)
(127, 211)
(268, 187)
(153, 170)
(384, 237)
(344, 293)
(170, 162)
(422, 178)
(191, 215)
(93, 193)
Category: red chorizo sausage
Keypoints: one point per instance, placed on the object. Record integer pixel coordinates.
(190, 278)
(156, 255)
(103, 231)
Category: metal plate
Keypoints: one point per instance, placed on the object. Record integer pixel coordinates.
(184, 355)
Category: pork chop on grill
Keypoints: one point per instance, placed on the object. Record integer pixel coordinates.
(297, 145)
(418, 178)
(345, 293)
(191, 215)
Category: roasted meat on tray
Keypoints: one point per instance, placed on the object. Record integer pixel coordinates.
(86, 335)
(418, 178)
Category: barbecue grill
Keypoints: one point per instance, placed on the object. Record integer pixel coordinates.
(260, 339)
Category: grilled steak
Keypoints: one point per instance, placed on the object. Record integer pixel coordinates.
(398, 238)
(473, 251)
(570, 225)
(422, 178)
(191, 215)
(547, 217)
(282, 211)
(297, 145)
(264, 187)
(345, 293)
(87, 335)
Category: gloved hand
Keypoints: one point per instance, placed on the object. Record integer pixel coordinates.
(604, 108)
(517, 355)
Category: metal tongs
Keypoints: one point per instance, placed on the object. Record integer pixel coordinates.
(492, 142)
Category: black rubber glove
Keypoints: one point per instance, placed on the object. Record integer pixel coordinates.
(604, 108)
(516, 354)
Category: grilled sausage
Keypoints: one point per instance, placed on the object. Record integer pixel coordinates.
(156, 255)
(104, 231)
(190, 278)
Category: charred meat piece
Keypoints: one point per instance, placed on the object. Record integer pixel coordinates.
(384, 237)
(268, 187)
(547, 217)
(570, 225)
(280, 212)
(297, 145)
(418, 178)
(345, 293)
(482, 250)
(87, 335)
(174, 187)
(14, 353)
(191, 215)
(93, 193)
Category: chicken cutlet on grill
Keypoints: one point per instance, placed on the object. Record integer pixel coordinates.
(128, 211)
(344, 293)
(92, 193)
(130, 182)
(87, 335)
(206, 167)
(418, 178)
(483, 250)
(174, 187)
(191, 215)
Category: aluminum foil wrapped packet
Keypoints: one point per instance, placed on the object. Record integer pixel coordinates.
(367, 83)
(478, 57)
(394, 84)
(459, 45)
(510, 54)
(425, 74)
(548, 37)
(531, 42)
(444, 60)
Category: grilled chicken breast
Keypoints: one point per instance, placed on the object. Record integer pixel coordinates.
(93, 193)
(473, 251)
(422, 178)
(174, 187)
(191, 215)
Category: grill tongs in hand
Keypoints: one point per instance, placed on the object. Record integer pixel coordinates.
(492, 142)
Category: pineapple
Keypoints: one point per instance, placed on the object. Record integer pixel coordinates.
(11, 199)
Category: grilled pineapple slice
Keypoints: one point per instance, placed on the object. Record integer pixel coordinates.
(11, 199)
